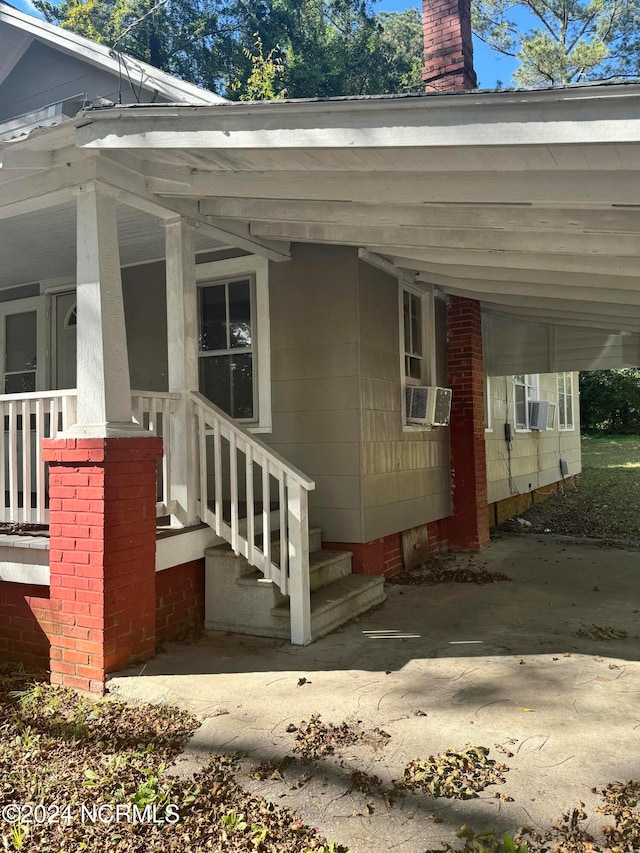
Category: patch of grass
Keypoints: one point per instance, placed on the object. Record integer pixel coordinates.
(604, 503)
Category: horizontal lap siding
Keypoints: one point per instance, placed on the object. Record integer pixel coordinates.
(535, 455)
(405, 475)
(315, 388)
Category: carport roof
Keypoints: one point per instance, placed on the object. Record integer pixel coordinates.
(526, 200)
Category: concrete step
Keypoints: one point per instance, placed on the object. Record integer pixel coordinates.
(335, 604)
(315, 543)
(325, 567)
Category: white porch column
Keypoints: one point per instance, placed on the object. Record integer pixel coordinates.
(104, 394)
(182, 345)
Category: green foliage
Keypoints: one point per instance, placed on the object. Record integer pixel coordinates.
(562, 41)
(250, 50)
(266, 70)
(610, 401)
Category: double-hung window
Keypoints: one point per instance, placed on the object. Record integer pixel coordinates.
(226, 346)
(233, 339)
(413, 334)
(525, 389)
(565, 401)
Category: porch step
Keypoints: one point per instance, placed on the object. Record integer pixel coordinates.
(325, 567)
(335, 604)
(239, 599)
(315, 543)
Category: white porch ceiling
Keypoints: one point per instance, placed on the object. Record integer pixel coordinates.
(42, 245)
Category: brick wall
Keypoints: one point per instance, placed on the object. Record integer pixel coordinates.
(469, 524)
(448, 47)
(380, 557)
(179, 599)
(27, 621)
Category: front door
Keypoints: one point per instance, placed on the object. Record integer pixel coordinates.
(65, 340)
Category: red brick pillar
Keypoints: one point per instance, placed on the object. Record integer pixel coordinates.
(469, 525)
(448, 46)
(102, 517)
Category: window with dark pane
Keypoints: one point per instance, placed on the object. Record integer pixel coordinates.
(21, 343)
(412, 306)
(226, 346)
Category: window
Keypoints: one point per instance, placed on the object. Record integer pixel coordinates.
(233, 338)
(226, 346)
(525, 389)
(565, 400)
(413, 328)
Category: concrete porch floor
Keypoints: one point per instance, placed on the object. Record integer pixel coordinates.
(435, 667)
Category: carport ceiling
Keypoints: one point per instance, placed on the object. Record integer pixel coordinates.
(527, 201)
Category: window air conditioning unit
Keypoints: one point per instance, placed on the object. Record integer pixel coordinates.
(427, 405)
(539, 414)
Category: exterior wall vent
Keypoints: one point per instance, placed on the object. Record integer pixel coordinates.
(427, 405)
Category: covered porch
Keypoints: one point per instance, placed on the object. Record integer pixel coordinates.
(523, 218)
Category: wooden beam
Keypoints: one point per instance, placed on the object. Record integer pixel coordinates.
(25, 193)
(514, 218)
(459, 272)
(413, 260)
(598, 189)
(397, 238)
(559, 306)
(132, 190)
(565, 290)
(546, 317)
(464, 121)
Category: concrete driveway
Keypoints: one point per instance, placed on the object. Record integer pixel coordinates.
(442, 666)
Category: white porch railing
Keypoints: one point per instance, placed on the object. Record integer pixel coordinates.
(242, 478)
(24, 497)
(26, 420)
(152, 410)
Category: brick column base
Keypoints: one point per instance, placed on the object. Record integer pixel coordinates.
(469, 525)
(102, 517)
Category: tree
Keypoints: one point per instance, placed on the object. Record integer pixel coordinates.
(562, 41)
(610, 401)
(307, 48)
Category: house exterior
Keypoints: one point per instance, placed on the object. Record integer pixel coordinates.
(210, 314)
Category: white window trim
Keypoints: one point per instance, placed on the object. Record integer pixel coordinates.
(258, 268)
(532, 394)
(427, 296)
(487, 405)
(573, 409)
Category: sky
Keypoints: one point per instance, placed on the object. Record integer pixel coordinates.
(490, 66)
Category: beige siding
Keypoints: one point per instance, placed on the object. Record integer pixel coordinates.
(534, 459)
(405, 474)
(315, 388)
(145, 305)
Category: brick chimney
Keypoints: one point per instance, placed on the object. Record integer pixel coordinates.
(448, 49)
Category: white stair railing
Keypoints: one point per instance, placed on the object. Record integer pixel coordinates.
(241, 477)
